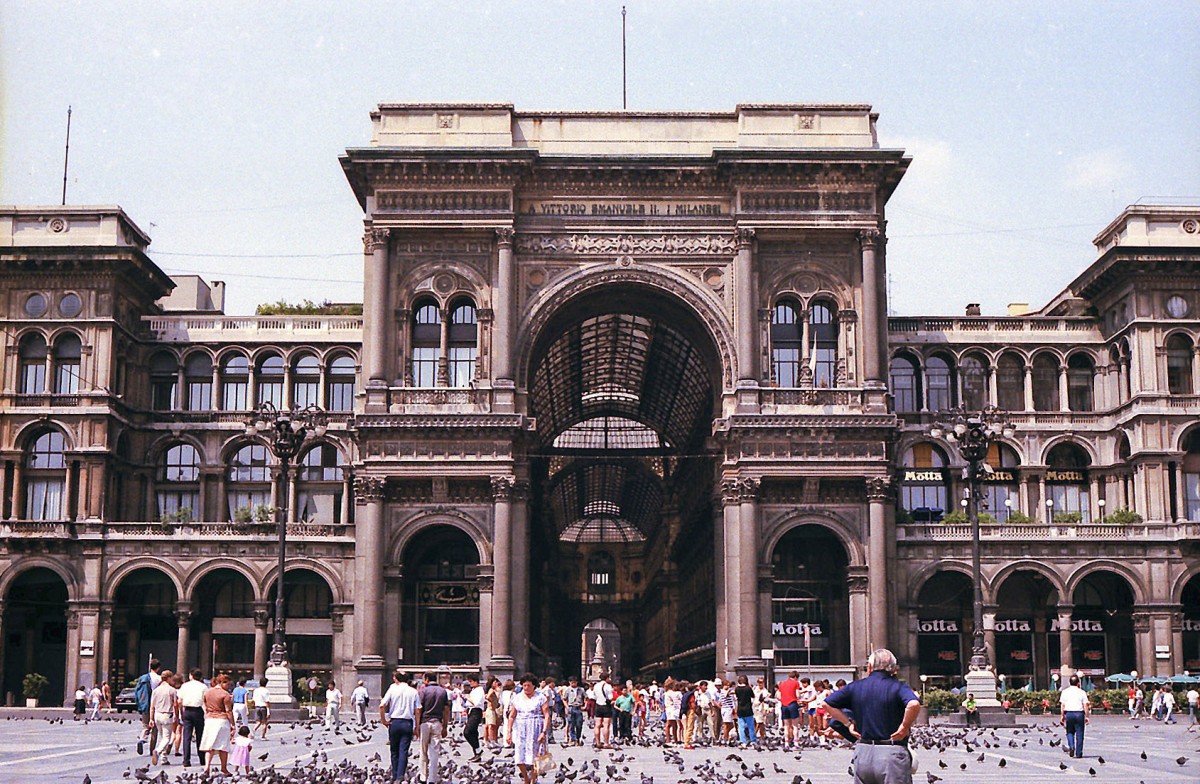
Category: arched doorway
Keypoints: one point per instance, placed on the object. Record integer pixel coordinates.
(623, 382)
(144, 626)
(600, 650)
(440, 615)
(1026, 609)
(1102, 638)
(810, 590)
(945, 623)
(1191, 624)
(221, 633)
(35, 635)
(308, 614)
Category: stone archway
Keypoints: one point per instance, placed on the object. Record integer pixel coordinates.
(35, 635)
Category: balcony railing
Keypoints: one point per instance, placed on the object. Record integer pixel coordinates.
(193, 328)
(89, 529)
(961, 532)
(784, 397)
(916, 325)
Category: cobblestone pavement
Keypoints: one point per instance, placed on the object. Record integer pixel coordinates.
(60, 750)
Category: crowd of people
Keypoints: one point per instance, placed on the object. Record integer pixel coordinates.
(1163, 703)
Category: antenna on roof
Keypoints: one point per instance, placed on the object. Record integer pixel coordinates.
(624, 93)
(66, 156)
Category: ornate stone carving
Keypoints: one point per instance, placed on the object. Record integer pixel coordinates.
(857, 583)
(748, 488)
(183, 618)
(443, 201)
(1141, 622)
(337, 618)
(870, 238)
(502, 487)
(486, 582)
(731, 491)
(261, 618)
(743, 238)
(625, 244)
(520, 490)
(369, 489)
(504, 236)
(879, 488)
(374, 239)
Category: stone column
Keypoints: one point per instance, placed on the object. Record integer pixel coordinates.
(75, 671)
(183, 620)
(501, 663)
(443, 365)
(1065, 648)
(729, 638)
(1029, 387)
(879, 491)
(369, 544)
(103, 643)
(502, 299)
(485, 582)
(993, 385)
(743, 276)
(262, 617)
(519, 614)
(1143, 643)
(1063, 402)
(858, 584)
(747, 583)
(869, 240)
(18, 494)
(376, 299)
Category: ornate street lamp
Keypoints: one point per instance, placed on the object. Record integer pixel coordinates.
(974, 432)
(285, 433)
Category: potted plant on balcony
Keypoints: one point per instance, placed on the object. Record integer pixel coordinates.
(1018, 518)
(1122, 516)
(32, 686)
(1068, 518)
(243, 515)
(182, 516)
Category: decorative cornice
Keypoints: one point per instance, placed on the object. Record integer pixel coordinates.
(427, 201)
(441, 421)
(624, 244)
(369, 489)
(740, 490)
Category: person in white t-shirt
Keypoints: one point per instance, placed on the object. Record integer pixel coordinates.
(359, 698)
(333, 706)
(602, 693)
(1075, 710)
(398, 711)
(1193, 701)
(262, 708)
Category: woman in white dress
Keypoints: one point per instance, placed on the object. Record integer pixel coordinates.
(528, 725)
(218, 721)
(672, 707)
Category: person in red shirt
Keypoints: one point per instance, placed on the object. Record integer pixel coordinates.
(790, 710)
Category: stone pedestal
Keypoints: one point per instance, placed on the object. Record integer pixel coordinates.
(982, 683)
(753, 668)
(370, 670)
(279, 686)
(503, 668)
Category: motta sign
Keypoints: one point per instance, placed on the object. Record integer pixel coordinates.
(940, 625)
(923, 476)
(1013, 626)
(1066, 476)
(1078, 626)
(795, 629)
(1000, 476)
(1191, 624)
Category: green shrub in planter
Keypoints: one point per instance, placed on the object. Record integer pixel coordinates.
(33, 685)
(1117, 700)
(1121, 516)
(942, 701)
(957, 517)
(1068, 518)
(1017, 518)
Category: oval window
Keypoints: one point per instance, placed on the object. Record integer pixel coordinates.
(35, 305)
(70, 305)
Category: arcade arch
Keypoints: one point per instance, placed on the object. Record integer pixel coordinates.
(35, 634)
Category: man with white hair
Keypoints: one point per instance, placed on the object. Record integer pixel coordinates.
(884, 710)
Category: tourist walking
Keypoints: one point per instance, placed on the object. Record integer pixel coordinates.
(1193, 703)
(107, 691)
(491, 712)
(623, 711)
(789, 689)
(1168, 704)
(145, 686)
(433, 720)
(164, 709)
(744, 699)
(218, 723)
(602, 693)
(359, 699)
(672, 710)
(333, 706)
(527, 727)
(574, 699)
(398, 711)
(1075, 710)
(241, 711)
(884, 710)
(262, 707)
(475, 699)
(191, 702)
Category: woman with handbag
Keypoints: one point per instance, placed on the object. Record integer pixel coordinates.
(528, 727)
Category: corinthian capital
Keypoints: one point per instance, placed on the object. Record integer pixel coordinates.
(502, 487)
(374, 239)
(504, 236)
(743, 237)
(368, 489)
(870, 238)
(879, 488)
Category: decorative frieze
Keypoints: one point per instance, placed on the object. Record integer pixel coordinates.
(443, 201)
(626, 244)
(783, 202)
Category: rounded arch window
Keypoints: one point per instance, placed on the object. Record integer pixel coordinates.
(46, 477)
(1067, 486)
(939, 381)
(319, 485)
(340, 394)
(1081, 372)
(235, 382)
(463, 343)
(974, 370)
(178, 484)
(1179, 365)
(786, 340)
(1045, 383)
(1010, 382)
(924, 487)
(1001, 489)
(164, 376)
(197, 371)
(441, 596)
(68, 350)
(602, 578)
(249, 489)
(269, 380)
(1191, 475)
(426, 343)
(306, 381)
(906, 384)
(33, 364)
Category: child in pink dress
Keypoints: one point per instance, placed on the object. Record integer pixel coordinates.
(242, 744)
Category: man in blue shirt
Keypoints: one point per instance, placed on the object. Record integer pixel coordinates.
(241, 712)
(884, 711)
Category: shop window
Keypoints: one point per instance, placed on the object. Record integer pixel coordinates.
(426, 344)
(1081, 373)
(974, 372)
(33, 364)
(178, 483)
(924, 490)
(906, 384)
(235, 383)
(340, 394)
(823, 343)
(67, 353)
(939, 379)
(1179, 365)
(1010, 382)
(463, 341)
(1045, 383)
(785, 343)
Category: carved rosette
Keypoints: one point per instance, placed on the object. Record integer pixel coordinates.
(870, 239)
(879, 488)
(374, 239)
(504, 236)
(743, 238)
(369, 489)
(502, 487)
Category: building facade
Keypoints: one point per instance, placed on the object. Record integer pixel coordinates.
(623, 394)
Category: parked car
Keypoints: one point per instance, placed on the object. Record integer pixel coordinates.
(126, 701)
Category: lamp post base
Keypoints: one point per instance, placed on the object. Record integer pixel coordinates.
(279, 686)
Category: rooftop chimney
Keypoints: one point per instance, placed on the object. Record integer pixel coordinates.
(973, 309)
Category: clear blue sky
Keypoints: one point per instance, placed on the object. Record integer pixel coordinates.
(217, 125)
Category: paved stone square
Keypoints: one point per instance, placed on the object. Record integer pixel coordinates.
(60, 750)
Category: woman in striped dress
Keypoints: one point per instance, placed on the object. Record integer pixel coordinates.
(528, 726)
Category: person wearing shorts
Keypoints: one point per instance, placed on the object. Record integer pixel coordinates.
(262, 708)
(789, 707)
(602, 692)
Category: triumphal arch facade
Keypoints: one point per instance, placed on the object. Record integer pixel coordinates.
(624, 374)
